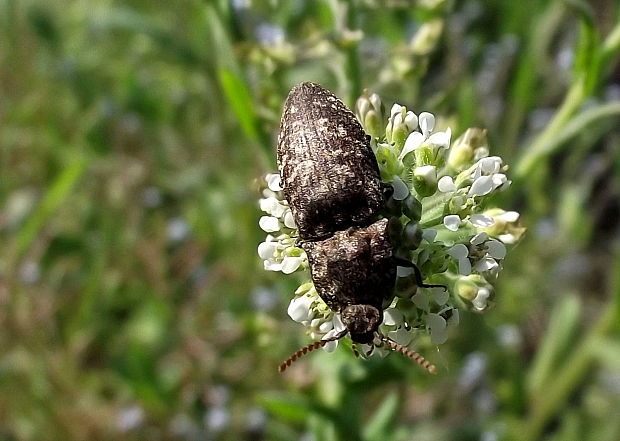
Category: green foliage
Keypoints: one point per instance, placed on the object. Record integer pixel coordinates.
(132, 302)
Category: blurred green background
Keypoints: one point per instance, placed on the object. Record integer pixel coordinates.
(132, 137)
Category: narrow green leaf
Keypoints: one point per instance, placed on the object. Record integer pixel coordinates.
(560, 332)
(380, 425)
(240, 100)
(287, 408)
(59, 191)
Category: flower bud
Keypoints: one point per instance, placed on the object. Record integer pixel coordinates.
(506, 225)
(370, 112)
(425, 180)
(412, 208)
(462, 153)
(412, 235)
(427, 37)
(475, 292)
(400, 124)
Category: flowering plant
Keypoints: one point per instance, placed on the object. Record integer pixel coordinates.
(438, 220)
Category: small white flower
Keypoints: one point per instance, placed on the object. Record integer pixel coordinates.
(299, 308)
(267, 250)
(446, 184)
(452, 222)
(272, 206)
(269, 224)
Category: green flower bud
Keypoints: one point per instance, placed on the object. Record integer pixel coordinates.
(393, 207)
(462, 153)
(427, 37)
(475, 291)
(506, 225)
(425, 180)
(370, 112)
(400, 124)
(394, 229)
(412, 208)
(406, 287)
(389, 165)
(412, 235)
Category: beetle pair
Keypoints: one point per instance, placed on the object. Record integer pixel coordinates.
(331, 181)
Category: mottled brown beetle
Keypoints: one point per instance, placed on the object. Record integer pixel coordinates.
(331, 181)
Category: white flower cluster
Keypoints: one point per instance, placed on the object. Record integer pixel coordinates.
(441, 224)
(279, 251)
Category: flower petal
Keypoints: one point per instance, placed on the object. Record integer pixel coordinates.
(289, 221)
(486, 264)
(458, 251)
(392, 317)
(496, 249)
(481, 186)
(267, 250)
(299, 308)
(414, 141)
(481, 220)
(480, 302)
(479, 239)
(290, 264)
(452, 222)
(437, 325)
(273, 182)
(464, 266)
(440, 139)
(446, 184)
(427, 123)
(429, 235)
(401, 191)
(269, 224)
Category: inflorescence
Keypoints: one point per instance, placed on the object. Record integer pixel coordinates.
(439, 220)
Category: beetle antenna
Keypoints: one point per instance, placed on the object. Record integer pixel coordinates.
(311, 347)
(413, 355)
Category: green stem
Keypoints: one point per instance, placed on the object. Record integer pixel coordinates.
(546, 405)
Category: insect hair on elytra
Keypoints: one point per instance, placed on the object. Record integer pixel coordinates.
(413, 355)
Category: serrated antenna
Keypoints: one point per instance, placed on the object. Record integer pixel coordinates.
(311, 347)
(413, 355)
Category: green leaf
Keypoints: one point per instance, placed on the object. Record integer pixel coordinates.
(560, 332)
(286, 407)
(240, 100)
(382, 423)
